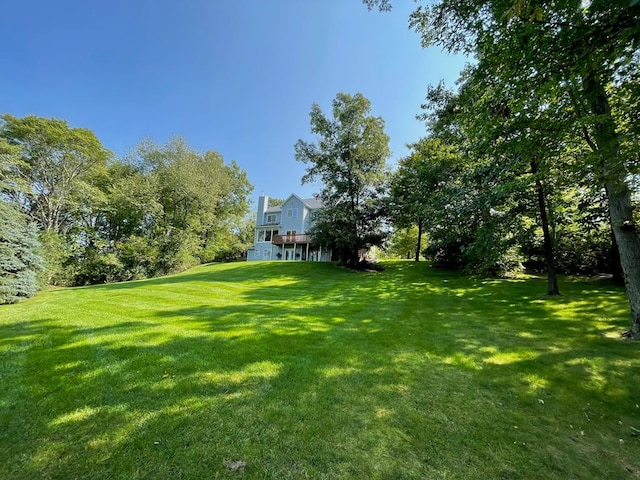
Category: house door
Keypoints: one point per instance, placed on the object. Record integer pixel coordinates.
(289, 253)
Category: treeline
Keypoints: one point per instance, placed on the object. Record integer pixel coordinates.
(534, 158)
(74, 214)
(491, 215)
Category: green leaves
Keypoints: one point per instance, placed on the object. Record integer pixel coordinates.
(59, 164)
(194, 203)
(165, 208)
(349, 159)
(20, 262)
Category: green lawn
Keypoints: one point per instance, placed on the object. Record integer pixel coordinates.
(306, 370)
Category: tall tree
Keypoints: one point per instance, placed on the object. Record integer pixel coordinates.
(519, 146)
(20, 261)
(58, 162)
(58, 171)
(416, 180)
(349, 159)
(198, 201)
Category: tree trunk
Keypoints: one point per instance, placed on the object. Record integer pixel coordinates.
(617, 275)
(549, 256)
(626, 235)
(419, 243)
(355, 258)
(614, 172)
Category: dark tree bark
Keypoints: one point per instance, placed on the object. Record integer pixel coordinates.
(419, 243)
(619, 196)
(617, 275)
(549, 256)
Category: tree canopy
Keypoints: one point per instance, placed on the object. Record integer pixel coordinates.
(161, 209)
(349, 159)
(60, 165)
(418, 182)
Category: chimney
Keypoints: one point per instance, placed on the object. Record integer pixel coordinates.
(263, 204)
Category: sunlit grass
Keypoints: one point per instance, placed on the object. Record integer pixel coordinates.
(306, 370)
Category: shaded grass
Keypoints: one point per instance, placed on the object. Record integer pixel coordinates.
(305, 370)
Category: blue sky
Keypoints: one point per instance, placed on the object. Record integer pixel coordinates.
(235, 76)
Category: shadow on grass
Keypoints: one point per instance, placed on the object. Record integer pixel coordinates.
(226, 272)
(408, 373)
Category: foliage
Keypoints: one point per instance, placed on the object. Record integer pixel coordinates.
(163, 209)
(452, 195)
(59, 165)
(386, 377)
(198, 204)
(568, 67)
(20, 262)
(429, 166)
(577, 54)
(402, 243)
(60, 258)
(420, 187)
(349, 159)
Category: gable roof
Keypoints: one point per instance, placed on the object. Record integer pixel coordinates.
(311, 203)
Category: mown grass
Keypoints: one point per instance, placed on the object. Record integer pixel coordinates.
(305, 370)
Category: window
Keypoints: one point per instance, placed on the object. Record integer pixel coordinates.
(292, 212)
(267, 235)
(271, 218)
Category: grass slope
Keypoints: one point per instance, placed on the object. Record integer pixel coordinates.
(305, 370)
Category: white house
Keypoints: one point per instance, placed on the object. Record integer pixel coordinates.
(282, 231)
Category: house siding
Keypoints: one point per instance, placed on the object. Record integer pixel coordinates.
(274, 237)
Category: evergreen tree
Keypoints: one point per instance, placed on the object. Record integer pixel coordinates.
(20, 261)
